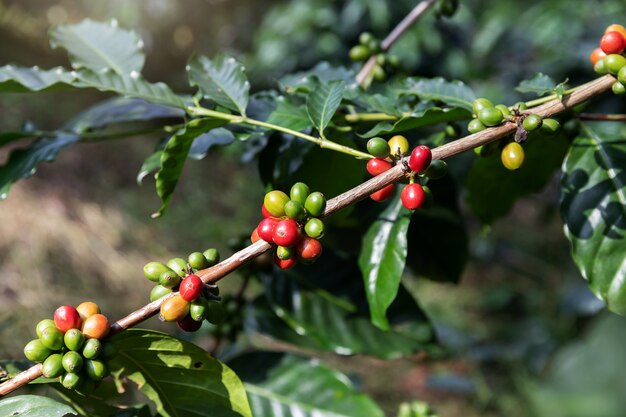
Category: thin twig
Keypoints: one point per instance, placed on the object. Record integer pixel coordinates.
(393, 36)
(602, 117)
(360, 192)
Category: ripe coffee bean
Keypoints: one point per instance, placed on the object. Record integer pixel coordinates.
(174, 308)
(314, 228)
(36, 351)
(274, 202)
(158, 292)
(596, 55)
(197, 260)
(88, 308)
(383, 193)
(315, 204)
(96, 327)
(285, 263)
(66, 317)
(287, 232)
(169, 279)
(92, 348)
(74, 339)
(264, 212)
(53, 366)
(191, 287)
(178, 265)
(72, 362)
(309, 249)
(420, 158)
(616, 28)
(413, 196)
(254, 236)
(612, 43)
(266, 228)
(377, 166)
(299, 192)
(188, 324)
(153, 270)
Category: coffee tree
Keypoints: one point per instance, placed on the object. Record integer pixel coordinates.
(358, 191)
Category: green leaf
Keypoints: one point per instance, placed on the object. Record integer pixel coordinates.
(291, 386)
(132, 85)
(430, 116)
(539, 84)
(307, 81)
(382, 104)
(95, 403)
(289, 115)
(382, 259)
(174, 155)
(34, 406)
(490, 200)
(322, 103)
(593, 207)
(22, 163)
(150, 164)
(14, 79)
(120, 110)
(221, 79)
(178, 376)
(452, 93)
(326, 310)
(99, 45)
(203, 143)
(8, 137)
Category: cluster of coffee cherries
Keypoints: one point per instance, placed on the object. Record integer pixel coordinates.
(195, 300)
(486, 114)
(292, 222)
(386, 153)
(609, 57)
(71, 348)
(370, 46)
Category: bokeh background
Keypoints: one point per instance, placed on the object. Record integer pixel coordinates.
(529, 338)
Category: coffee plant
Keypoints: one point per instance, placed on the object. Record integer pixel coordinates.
(359, 193)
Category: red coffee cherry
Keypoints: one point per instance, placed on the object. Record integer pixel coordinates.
(96, 327)
(420, 158)
(413, 196)
(383, 193)
(265, 229)
(191, 287)
(596, 55)
(265, 213)
(255, 235)
(377, 166)
(66, 317)
(285, 263)
(613, 43)
(286, 233)
(188, 324)
(309, 249)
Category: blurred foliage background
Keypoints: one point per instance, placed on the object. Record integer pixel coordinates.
(528, 337)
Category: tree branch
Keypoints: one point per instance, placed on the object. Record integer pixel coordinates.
(393, 36)
(360, 192)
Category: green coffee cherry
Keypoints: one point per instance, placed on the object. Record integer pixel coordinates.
(490, 116)
(520, 105)
(614, 63)
(153, 270)
(274, 202)
(92, 348)
(36, 351)
(52, 338)
(365, 38)
(53, 366)
(504, 109)
(159, 292)
(314, 228)
(437, 169)
(374, 46)
(95, 369)
(197, 260)
(215, 313)
(479, 104)
(198, 309)
(600, 67)
(169, 279)
(294, 210)
(212, 256)
(284, 253)
(618, 88)
(379, 73)
(359, 53)
(378, 147)
(72, 362)
(299, 192)
(550, 126)
(475, 126)
(74, 339)
(71, 381)
(42, 325)
(315, 203)
(178, 265)
(621, 76)
(532, 122)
